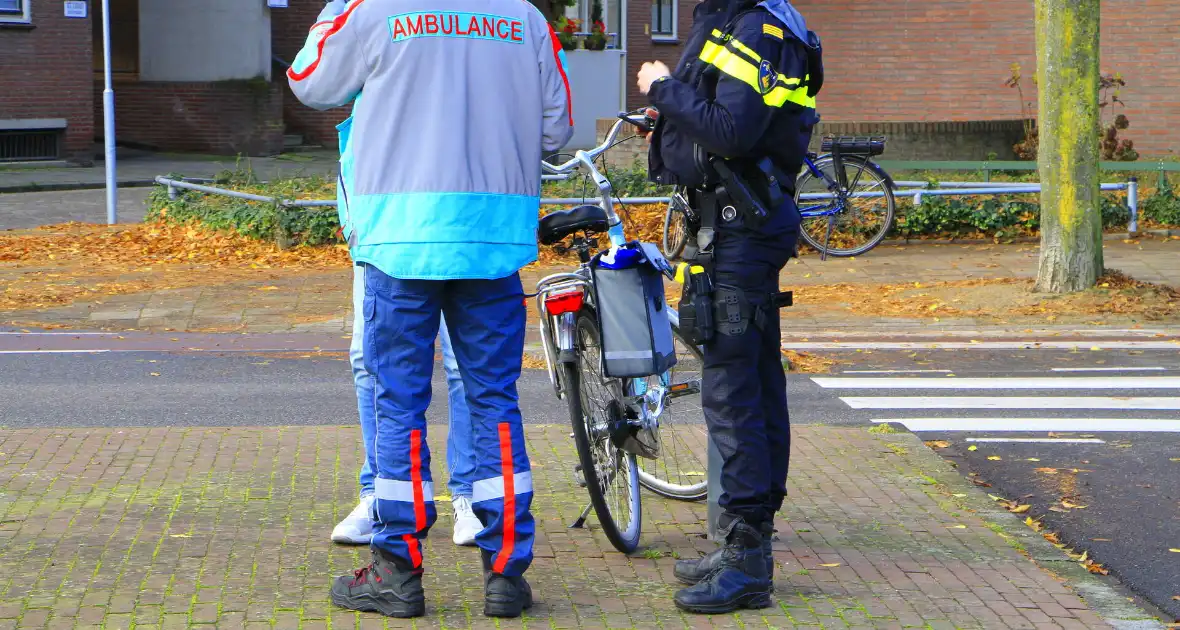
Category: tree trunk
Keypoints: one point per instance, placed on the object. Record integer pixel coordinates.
(1067, 120)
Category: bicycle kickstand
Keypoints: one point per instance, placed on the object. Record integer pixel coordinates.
(581, 522)
(823, 256)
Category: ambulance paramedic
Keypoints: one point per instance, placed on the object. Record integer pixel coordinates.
(460, 98)
(734, 121)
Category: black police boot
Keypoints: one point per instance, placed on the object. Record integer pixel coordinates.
(738, 579)
(693, 571)
(504, 596)
(384, 586)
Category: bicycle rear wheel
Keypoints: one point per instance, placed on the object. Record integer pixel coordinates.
(679, 473)
(611, 474)
(676, 226)
(864, 220)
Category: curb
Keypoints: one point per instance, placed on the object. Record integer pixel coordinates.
(65, 187)
(1106, 595)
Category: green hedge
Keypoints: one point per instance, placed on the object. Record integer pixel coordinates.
(994, 217)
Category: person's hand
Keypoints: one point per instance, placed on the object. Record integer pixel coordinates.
(652, 114)
(649, 72)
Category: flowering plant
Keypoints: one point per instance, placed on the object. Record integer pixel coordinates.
(565, 29)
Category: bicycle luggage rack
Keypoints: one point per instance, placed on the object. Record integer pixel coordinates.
(853, 145)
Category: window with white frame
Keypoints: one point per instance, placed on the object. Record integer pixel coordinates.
(663, 19)
(15, 11)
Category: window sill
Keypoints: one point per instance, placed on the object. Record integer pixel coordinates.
(17, 26)
(665, 39)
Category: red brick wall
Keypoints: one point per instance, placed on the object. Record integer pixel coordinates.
(290, 27)
(45, 73)
(893, 60)
(228, 117)
(947, 60)
(641, 48)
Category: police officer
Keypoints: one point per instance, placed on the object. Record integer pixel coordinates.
(733, 123)
(446, 141)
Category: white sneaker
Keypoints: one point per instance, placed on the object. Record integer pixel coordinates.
(357, 527)
(467, 524)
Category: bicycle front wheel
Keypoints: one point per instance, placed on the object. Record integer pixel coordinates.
(679, 472)
(858, 222)
(611, 474)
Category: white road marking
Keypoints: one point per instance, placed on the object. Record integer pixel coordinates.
(1110, 369)
(52, 351)
(1011, 402)
(983, 345)
(896, 372)
(1040, 440)
(1059, 382)
(30, 334)
(982, 334)
(986, 425)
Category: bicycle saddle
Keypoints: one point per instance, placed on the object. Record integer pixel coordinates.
(555, 226)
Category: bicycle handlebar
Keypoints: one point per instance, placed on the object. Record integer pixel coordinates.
(638, 119)
(586, 158)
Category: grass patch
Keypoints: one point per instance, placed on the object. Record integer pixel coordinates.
(883, 428)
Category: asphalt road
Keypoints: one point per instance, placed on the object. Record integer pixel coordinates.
(28, 210)
(1125, 403)
(1090, 440)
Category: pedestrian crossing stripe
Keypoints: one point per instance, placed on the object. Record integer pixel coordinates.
(950, 422)
(1013, 402)
(1037, 425)
(1062, 382)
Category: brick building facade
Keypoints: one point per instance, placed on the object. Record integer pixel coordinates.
(931, 70)
(45, 78)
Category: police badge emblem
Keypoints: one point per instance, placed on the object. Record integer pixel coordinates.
(767, 77)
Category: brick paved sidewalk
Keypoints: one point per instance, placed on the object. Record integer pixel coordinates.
(322, 302)
(172, 527)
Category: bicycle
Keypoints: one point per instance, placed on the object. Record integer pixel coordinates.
(838, 174)
(615, 422)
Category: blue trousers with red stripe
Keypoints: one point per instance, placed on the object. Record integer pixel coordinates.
(486, 321)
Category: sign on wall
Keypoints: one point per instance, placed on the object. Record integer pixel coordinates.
(276, 4)
(75, 8)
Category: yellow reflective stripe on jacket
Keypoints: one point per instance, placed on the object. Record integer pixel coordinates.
(743, 70)
(730, 63)
(723, 39)
(781, 94)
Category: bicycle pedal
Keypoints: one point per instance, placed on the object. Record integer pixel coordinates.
(579, 477)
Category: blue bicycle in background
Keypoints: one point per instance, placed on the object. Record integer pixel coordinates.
(845, 200)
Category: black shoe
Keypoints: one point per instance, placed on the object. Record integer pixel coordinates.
(504, 596)
(382, 587)
(738, 578)
(693, 571)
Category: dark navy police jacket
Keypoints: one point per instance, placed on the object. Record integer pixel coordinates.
(741, 93)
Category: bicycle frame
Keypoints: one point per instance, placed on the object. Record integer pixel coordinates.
(827, 210)
(558, 332)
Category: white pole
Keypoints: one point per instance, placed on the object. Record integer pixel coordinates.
(108, 111)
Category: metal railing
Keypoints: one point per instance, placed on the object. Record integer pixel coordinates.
(174, 185)
(987, 167)
(917, 190)
(913, 189)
